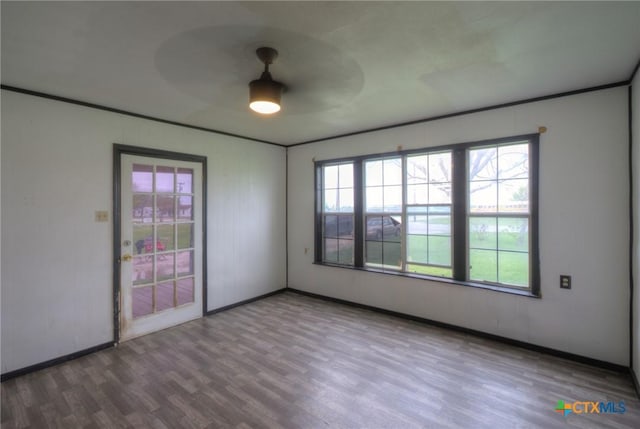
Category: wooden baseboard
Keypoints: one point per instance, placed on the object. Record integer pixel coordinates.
(510, 341)
(42, 365)
(634, 380)
(246, 301)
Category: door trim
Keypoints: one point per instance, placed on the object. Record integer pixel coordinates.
(118, 151)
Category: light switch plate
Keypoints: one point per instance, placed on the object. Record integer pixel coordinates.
(565, 281)
(102, 216)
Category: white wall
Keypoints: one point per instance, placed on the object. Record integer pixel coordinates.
(583, 228)
(635, 122)
(56, 260)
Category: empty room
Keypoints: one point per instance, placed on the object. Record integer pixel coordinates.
(320, 214)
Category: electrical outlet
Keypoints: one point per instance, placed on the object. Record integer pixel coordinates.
(565, 281)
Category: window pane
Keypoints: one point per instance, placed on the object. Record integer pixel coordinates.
(346, 200)
(331, 202)
(513, 234)
(142, 178)
(185, 235)
(483, 265)
(392, 171)
(391, 254)
(374, 199)
(345, 252)
(393, 198)
(374, 228)
(513, 161)
(440, 167)
(185, 180)
(417, 224)
(331, 249)
(165, 209)
(142, 301)
(345, 175)
(164, 179)
(417, 169)
(185, 263)
(482, 233)
(165, 237)
(142, 208)
(483, 164)
(330, 176)
(439, 225)
(418, 248)
(440, 193)
(417, 194)
(373, 251)
(164, 296)
(185, 208)
(483, 197)
(391, 228)
(143, 238)
(164, 266)
(439, 250)
(331, 226)
(142, 270)
(184, 291)
(345, 226)
(513, 196)
(513, 268)
(373, 171)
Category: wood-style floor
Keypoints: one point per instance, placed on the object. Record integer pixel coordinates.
(290, 361)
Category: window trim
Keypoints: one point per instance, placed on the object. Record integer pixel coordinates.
(459, 211)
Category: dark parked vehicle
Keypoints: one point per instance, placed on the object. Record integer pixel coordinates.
(338, 226)
(382, 226)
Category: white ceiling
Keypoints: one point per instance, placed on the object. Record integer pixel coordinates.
(349, 66)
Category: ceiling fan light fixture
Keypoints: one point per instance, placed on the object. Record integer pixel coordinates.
(265, 93)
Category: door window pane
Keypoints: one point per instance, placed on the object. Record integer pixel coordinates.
(185, 208)
(164, 296)
(165, 238)
(184, 291)
(142, 301)
(142, 272)
(142, 178)
(164, 266)
(165, 210)
(184, 181)
(185, 263)
(165, 179)
(185, 235)
(142, 208)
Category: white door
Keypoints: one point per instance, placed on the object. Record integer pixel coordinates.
(161, 244)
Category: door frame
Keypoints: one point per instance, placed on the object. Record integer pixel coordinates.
(118, 151)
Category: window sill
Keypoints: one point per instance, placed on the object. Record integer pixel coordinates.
(495, 288)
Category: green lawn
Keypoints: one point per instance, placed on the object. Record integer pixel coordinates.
(165, 234)
(497, 252)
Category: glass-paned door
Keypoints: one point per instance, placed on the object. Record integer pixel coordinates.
(161, 244)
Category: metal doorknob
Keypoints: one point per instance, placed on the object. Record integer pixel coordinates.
(126, 257)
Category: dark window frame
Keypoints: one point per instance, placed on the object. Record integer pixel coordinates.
(459, 213)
